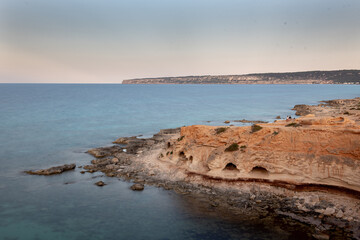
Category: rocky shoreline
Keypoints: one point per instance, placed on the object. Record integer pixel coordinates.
(173, 159)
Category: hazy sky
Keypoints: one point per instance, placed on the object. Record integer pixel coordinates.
(111, 40)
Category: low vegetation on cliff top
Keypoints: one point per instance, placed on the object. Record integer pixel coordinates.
(255, 128)
(220, 130)
(232, 147)
(293, 125)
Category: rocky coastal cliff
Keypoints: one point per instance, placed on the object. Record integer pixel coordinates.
(308, 151)
(303, 171)
(310, 77)
(306, 170)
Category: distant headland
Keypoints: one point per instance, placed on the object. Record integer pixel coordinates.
(309, 77)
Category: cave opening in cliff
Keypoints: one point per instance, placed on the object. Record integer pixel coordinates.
(231, 167)
(259, 172)
(169, 144)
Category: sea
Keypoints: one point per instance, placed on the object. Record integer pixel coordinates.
(44, 125)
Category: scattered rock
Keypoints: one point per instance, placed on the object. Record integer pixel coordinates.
(100, 183)
(122, 140)
(52, 170)
(227, 122)
(137, 187)
(329, 211)
(340, 214)
(321, 236)
(277, 117)
(111, 166)
(82, 172)
(114, 160)
(250, 121)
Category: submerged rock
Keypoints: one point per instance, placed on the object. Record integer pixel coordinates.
(137, 187)
(100, 183)
(52, 170)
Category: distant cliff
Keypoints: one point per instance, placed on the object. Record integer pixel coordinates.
(310, 77)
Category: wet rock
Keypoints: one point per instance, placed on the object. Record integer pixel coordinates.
(227, 122)
(82, 172)
(104, 151)
(277, 117)
(137, 187)
(52, 170)
(110, 174)
(123, 140)
(100, 183)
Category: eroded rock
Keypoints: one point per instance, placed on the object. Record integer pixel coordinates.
(52, 170)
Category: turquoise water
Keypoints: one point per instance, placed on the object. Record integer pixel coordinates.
(45, 125)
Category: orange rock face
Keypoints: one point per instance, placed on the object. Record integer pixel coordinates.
(308, 150)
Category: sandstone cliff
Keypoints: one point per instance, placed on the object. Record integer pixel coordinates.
(306, 151)
(306, 169)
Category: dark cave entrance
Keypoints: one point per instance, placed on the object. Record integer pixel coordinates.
(231, 167)
(259, 171)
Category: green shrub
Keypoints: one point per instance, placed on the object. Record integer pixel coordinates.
(232, 147)
(220, 130)
(293, 125)
(255, 128)
(243, 146)
(275, 133)
(346, 113)
(180, 138)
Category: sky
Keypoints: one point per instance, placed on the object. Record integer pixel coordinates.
(107, 41)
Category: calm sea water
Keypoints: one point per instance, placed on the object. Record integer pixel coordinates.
(45, 125)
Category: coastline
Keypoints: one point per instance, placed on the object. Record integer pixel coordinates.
(329, 207)
(193, 161)
(307, 77)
